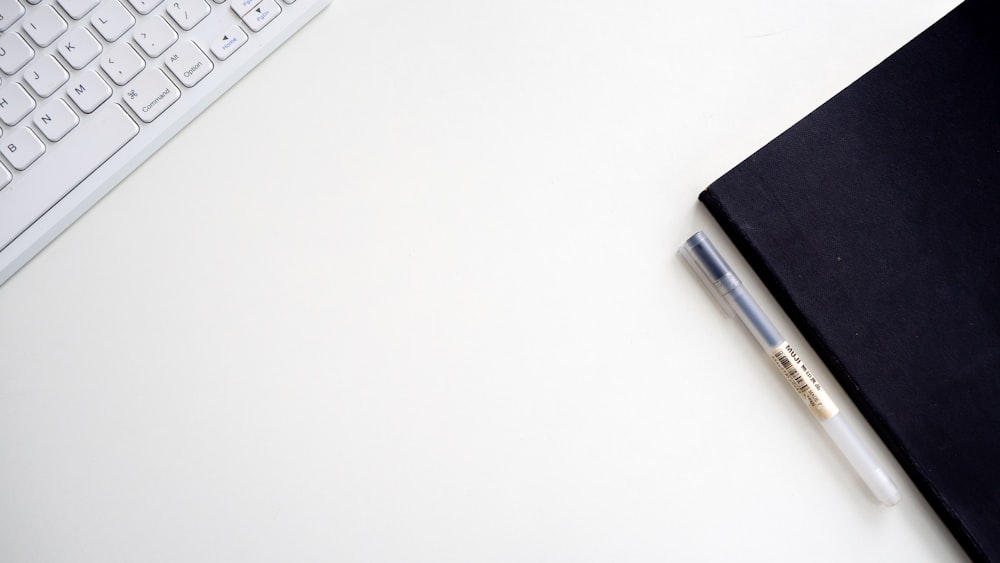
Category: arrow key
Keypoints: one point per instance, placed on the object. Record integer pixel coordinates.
(229, 42)
(122, 63)
(262, 15)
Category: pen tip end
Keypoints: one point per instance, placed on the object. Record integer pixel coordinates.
(891, 500)
(885, 489)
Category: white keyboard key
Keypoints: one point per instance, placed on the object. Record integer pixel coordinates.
(229, 42)
(112, 20)
(55, 119)
(79, 47)
(241, 7)
(45, 75)
(144, 6)
(122, 63)
(78, 8)
(95, 141)
(151, 94)
(187, 13)
(5, 176)
(14, 52)
(188, 63)
(10, 12)
(44, 25)
(88, 91)
(262, 15)
(22, 147)
(15, 103)
(154, 35)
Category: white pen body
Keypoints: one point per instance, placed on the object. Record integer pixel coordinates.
(726, 286)
(862, 460)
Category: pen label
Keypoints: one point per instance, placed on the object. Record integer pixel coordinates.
(802, 380)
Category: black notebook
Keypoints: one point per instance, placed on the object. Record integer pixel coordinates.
(875, 222)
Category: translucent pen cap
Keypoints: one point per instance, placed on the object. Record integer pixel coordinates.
(711, 268)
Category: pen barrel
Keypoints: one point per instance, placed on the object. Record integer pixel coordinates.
(754, 318)
(726, 287)
(861, 459)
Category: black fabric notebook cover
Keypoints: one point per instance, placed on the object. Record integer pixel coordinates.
(875, 222)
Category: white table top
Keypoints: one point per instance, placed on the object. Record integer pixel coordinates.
(432, 311)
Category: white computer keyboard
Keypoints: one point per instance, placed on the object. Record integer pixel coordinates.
(90, 88)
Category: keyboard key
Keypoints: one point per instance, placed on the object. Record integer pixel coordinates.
(229, 42)
(122, 63)
(151, 94)
(45, 75)
(55, 119)
(94, 141)
(79, 47)
(14, 52)
(188, 63)
(112, 20)
(15, 103)
(5, 176)
(44, 25)
(88, 91)
(10, 12)
(22, 147)
(144, 6)
(262, 15)
(154, 36)
(187, 13)
(242, 7)
(78, 8)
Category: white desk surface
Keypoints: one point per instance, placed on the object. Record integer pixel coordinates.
(409, 293)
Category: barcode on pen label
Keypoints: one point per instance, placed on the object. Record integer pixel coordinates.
(802, 380)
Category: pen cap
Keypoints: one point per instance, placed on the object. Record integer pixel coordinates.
(711, 268)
